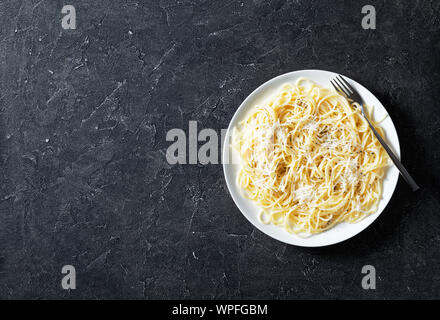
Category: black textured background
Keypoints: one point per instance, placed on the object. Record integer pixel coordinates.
(83, 119)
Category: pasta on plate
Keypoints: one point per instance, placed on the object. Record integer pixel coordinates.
(309, 159)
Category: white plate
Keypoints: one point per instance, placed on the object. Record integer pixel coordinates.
(342, 231)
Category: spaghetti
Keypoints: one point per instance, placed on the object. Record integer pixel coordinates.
(309, 159)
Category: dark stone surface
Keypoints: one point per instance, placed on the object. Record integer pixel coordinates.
(83, 119)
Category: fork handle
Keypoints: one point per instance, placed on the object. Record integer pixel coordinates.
(393, 157)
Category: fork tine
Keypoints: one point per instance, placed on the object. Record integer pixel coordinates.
(344, 88)
(341, 88)
(334, 86)
(346, 83)
(337, 88)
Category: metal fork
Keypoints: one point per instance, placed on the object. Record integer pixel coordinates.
(345, 89)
